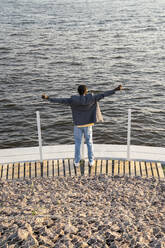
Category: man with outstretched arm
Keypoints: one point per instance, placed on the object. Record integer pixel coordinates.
(85, 113)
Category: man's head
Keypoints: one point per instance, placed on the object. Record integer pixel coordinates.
(82, 90)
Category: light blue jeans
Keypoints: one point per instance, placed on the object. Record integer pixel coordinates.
(78, 132)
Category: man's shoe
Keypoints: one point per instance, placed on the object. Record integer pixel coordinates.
(76, 164)
(92, 163)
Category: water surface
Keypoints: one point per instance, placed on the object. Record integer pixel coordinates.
(53, 46)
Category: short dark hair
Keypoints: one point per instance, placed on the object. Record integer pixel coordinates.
(82, 89)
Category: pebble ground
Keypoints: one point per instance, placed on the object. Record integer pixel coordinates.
(82, 212)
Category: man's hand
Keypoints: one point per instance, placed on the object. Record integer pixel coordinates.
(118, 88)
(44, 96)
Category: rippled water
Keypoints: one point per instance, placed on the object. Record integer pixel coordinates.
(52, 46)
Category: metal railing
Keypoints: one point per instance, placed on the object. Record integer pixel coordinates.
(83, 139)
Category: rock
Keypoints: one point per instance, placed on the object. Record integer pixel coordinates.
(115, 234)
(85, 234)
(155, 244)
(138, 246)
(70, 229)
(31, 242)
(142, 240)
(91, 241)
(109, 236)
(110, 240)
(29, 228)
(84, 245)
(49, 222)
(39, 221)
(56, 237)
(82, 215)
(155, 231)
(23, 234)
(115, 228)
(13, 238)
(46, 241)
(113, 245)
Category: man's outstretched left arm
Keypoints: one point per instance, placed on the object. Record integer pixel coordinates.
(107, 93)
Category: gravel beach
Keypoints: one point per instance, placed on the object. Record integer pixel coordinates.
(82, 212)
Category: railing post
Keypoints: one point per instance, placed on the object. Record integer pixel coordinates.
(129, 134)
(82, 148)
(39, 135)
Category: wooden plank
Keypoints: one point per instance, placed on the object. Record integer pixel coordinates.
(160, 171)
(109, 168)
(10, 171)
(7, 171)
(55, 168)
(127, 168)
(154, 170)
(21, 172)
(45, 171)
(38, 169)
(82, 162)
(72, 167)
(27, 166)
(78, 169)
(86, 168)
(32, 169)
(116, 168)
(121, 169)
(98, 168)
(1, 169)
(16, 171)
(148, 168)
(61, 168)
(132, 169)
(103, 167)
(138, 172)
(4, 172)
(92, 169)
(106, 167)
(69, 167)
(66, 167)
(58, 168)
(143, 169)
(50, 168)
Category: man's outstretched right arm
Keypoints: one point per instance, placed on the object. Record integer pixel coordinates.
(66, 101)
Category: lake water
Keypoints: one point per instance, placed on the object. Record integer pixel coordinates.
(52, 46)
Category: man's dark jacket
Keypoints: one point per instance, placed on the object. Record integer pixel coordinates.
(85, 108)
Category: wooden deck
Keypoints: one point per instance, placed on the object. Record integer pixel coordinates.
(52, 168)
